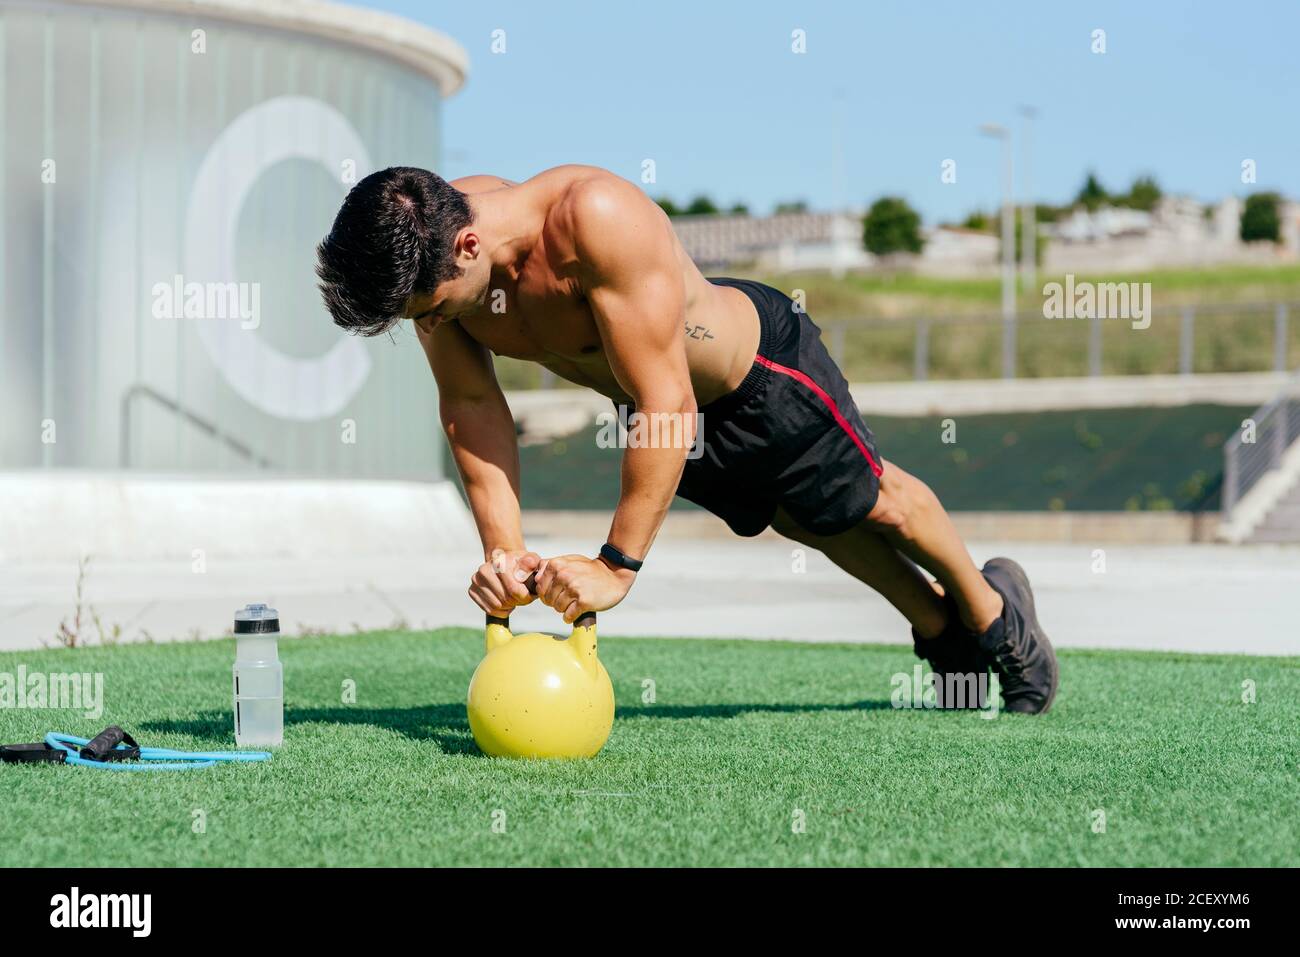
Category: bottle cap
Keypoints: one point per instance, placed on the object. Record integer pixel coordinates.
(257, 620)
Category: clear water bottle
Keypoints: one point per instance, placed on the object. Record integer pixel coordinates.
(259, 678)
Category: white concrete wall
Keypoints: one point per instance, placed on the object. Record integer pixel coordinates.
(59, 516)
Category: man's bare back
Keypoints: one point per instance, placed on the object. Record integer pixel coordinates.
(537, 308)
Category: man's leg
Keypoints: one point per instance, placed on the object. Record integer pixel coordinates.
(1007, 633)
(864, 553)
(910, 518)
(906, 523)
(795, 422)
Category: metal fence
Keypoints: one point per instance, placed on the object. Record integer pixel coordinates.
(1220, 337)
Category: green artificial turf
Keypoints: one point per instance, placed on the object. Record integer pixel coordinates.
(741, 740)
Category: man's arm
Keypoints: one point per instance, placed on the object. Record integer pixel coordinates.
(633, 283)
(481, 433)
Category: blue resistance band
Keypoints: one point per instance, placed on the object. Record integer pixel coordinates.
(151, 759)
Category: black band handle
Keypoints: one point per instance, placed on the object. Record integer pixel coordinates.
(104, 746)
(586, 620)
(31, 753)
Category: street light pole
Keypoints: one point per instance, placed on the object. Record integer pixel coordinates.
(837, 183)
(1028, 218)
(1008, 252)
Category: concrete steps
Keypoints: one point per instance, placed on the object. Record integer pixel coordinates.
(1282, 523)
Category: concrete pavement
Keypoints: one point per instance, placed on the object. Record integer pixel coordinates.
(1202, 598)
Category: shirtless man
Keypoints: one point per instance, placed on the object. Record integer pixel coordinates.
(578, 270)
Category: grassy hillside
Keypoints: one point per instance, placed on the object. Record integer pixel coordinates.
(878, 314)
(1099, 460)
(880, 296)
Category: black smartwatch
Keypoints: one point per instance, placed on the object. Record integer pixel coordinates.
(618, 559)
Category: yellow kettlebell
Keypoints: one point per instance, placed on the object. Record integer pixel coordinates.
(541, 696)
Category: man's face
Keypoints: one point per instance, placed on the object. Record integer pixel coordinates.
(455, 298)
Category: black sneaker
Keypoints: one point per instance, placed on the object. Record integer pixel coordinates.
(1016, 643)
(956, 662)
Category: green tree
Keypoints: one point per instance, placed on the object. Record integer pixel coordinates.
(701, 206)
(1044, 213)
(1143, 194)
(668, 206)
(1092, 194)
(891, 226)
(1260, 218)
(795, 206)
(978, 220)
(739, 209)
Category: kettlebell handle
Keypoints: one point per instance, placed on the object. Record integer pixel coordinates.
(586, 620)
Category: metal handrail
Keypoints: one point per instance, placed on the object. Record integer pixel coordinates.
(193, 418)
(1277, 427)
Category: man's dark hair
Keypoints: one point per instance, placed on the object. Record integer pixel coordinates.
(393, 236)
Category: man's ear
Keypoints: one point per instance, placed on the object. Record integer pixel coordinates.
(468, 245)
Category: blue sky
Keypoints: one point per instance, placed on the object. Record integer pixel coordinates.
(712, 92)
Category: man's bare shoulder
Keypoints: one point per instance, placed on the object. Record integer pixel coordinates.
(481, 183)
(606, 215)
(597, 193)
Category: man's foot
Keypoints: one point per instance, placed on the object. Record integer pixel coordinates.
(1016, 643)
(960, 671)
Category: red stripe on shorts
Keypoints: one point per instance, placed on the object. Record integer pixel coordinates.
(830, 404)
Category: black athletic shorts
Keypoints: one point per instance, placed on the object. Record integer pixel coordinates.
(789, 435)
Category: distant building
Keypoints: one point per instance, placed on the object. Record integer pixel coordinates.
(1291, 226)
(784, 242)
(957, 251)
(1108, 222)
(1179, 232)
